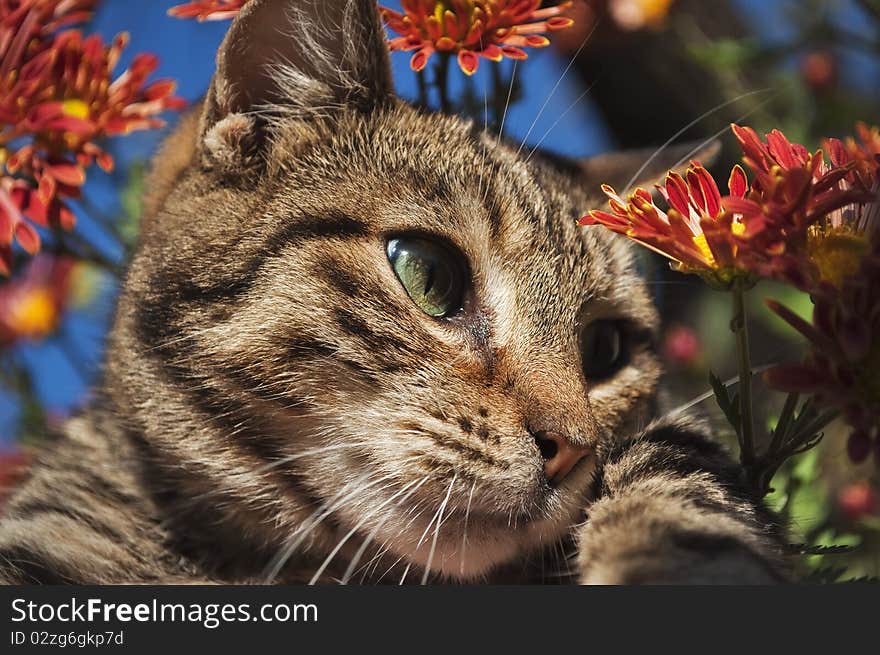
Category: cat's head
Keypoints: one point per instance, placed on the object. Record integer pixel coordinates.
(348, 315)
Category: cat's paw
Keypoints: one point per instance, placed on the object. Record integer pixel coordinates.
(645, 543)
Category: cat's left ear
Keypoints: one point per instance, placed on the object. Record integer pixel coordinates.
(644, 167)
(297, 58)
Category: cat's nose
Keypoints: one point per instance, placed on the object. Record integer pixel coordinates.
(560, 455)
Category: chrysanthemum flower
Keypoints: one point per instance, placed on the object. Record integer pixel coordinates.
(58, 98)
(821, 210)
(696, 232)
(472, 29)
(843, 366)
(773, 227)
(33, 304)
(208, 9)
(838, 241)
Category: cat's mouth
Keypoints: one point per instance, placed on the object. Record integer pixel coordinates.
(473, 534)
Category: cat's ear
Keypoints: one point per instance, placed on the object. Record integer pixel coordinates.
(629, 169)
(294, 57)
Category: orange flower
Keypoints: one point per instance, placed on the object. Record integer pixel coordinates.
(696, 233)
(773, 227)
(208, 9)
(471, 29)
(58, 97)
(794, 192)
(32, 305)
(837, 242)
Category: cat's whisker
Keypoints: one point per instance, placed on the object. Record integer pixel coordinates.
(277, 563)
(710, 393)
(373, 563)
(507, 103)
(309, 453)
(673, 283)
(675, 136)
(386, 545)
(405, 573)
(305, 530)
(555, 88)
(724, 129)
(574, 104)
(357, 526)
(485, 98)
(437, 530)
(404, 528)
(389, 569)
(464, 533)
(271, 465)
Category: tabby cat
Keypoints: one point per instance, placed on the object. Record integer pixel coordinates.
(360, 342)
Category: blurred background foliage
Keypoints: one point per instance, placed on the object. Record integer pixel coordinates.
(655, 69)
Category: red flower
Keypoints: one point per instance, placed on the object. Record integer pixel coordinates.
(801, 199)
(58, 97)
(696, 233)
(471, 29)
(681, 345)
(779, 226)
(843, 367)
(857, 500)
(208, 9)
(33, 304)
(819, 70)
(25, 25)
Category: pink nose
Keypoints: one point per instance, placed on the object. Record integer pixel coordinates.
(560, 455)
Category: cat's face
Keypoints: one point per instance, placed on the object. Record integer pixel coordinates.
(366, 319)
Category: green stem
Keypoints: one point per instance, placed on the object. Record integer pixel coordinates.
(782, 425)
(442, 81)
(497, 97)
(775, 455)
(739, 325)
(423, 89)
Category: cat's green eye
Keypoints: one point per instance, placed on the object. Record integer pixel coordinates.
(431, 274)
(602, 349)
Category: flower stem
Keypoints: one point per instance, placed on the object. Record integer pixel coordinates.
(739, 326)
(442, 81)
(423, 90)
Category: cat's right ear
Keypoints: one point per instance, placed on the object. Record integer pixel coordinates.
(300, 58)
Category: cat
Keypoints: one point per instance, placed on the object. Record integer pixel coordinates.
(362, 342)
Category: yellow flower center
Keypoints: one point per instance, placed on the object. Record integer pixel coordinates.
(738, 228)
(35, 315)
(75, 108)
(703, 245)
(836, 252)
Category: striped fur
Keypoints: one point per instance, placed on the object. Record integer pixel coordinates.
(274, 406)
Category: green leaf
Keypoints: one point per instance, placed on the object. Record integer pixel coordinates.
(729, 406)
(826, 575)
(803, 549)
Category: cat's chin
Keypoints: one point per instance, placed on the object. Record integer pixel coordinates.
(489, 543)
